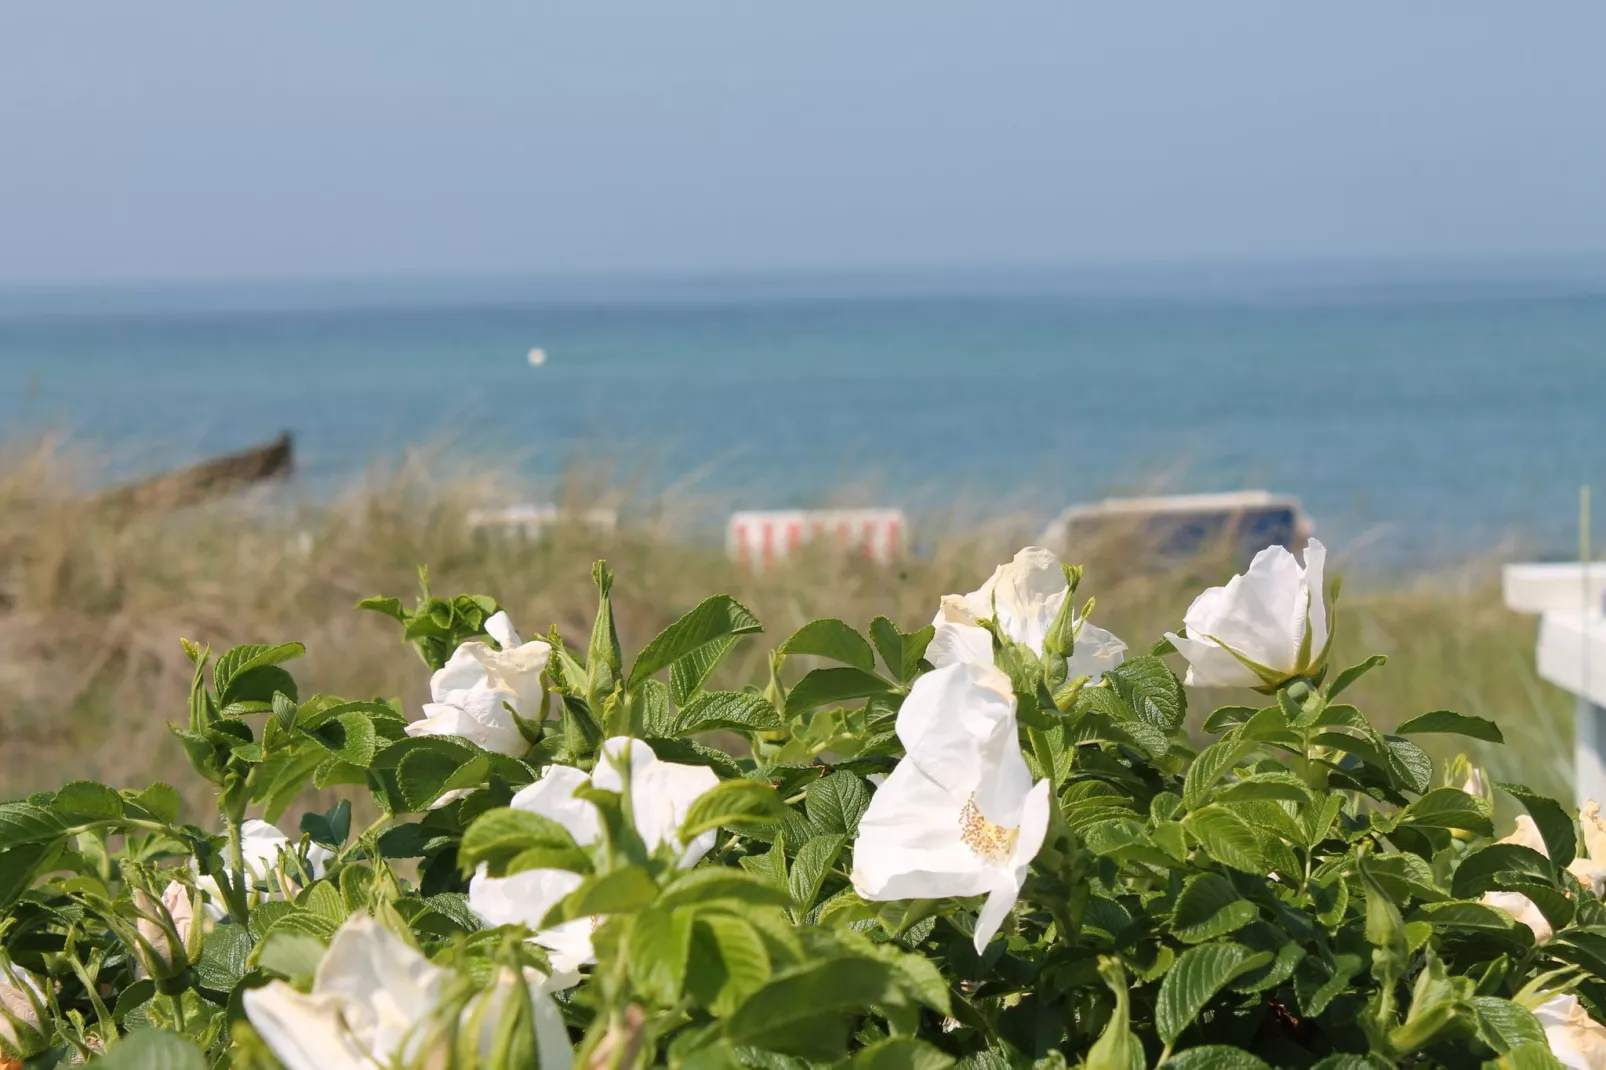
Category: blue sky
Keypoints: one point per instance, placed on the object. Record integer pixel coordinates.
(190, 139)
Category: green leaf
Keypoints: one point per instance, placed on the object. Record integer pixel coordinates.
(152, 1049)
(1457, 915)
(1152, 691)
(803, 1011)
(331, 827)
(1214, 1057)
(86, 799)
(425, 775)
(717, 618)
(690, 674)
(1226, 838)
(1555, 824)
(1208, 907)
(621, 891)
(24, 823)
(1227, 716)
(291, 954)
(1353, 673)
(1212, 763)
(899, 650)
(1409, 764)
(1490, 865)
(737, 711)
(732, 802)
(902, 1053)
(659, 949)
(1452, 808)
(829, 687)
(349, 737)
(1505, 1025)
(835, 803)
(721, 884)
(390, 607)
(814, 860)
(497, 836)
(1460, 724)
(161, 801)
(1193, 981)
(830, 638)
(224, 955)
(729, 961)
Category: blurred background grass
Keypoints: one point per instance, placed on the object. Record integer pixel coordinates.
(92, 604)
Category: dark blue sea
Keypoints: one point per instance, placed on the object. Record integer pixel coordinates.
(1431, 409)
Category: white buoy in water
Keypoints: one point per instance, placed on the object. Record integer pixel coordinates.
(537, 357)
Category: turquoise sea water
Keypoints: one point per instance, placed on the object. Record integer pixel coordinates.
(1440, 414)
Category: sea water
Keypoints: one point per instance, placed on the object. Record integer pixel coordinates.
(1427, 414)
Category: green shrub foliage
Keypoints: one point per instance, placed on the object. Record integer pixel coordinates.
(986, 842)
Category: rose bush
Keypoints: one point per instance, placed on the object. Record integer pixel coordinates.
(989, 842)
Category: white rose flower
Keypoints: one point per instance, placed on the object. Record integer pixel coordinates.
(22, 1006)
(661, 793)
(261, 846)
(369, 1007)
(1576, 1040)
(472, 692)
(1026, 594)
(1263, 628)
(959, 815)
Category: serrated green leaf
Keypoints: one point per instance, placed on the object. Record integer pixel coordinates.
(1460, 724)
(1194, 980)
(1214, 1057)
(831, 638)
(715, 884)
(224, 955)
(737, 711)
(85, 799)
(1208, 907)
(690, 674)
(160, 800)
(1555, 824)
(152, 1049)
(1226, 838)
(830, 687)
(659, 948)
(902, 1053)
(835, 803)
(1451, 808)
(1344, 679)
(290, 954)
(1152, 691)
(715, 619)
(497, 836)
(809, 869)
(803, 1011)
(732, 802)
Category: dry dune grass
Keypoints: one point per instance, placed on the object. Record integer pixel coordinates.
(92, 607)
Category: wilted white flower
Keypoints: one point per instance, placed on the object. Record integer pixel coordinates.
(1263, 628)
(959, 815)
(472, 693)
(370, 1005)
(261, 846)
(661, 794)
(22, 1031)
(1026, 595)
(1576, 1040)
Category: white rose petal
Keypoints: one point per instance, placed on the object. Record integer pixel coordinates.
(1026, 595)
(661, 793)
(261, 846)
(1261, 616)
(959, 816)
(1576, 1040)
(475, 694)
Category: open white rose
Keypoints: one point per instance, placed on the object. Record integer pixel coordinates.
(1576, 1040)
(661, 794)
(1026, 595)
(471, 694)
(370, 1006)
(262, 846)
(959, 815)
(22, 1004)
(1263, 628)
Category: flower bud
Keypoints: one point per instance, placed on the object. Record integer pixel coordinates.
(164, 928)
(22, 1030)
